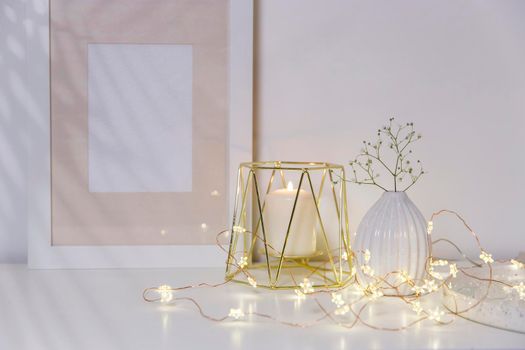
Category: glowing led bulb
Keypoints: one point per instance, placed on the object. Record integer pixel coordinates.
(486, 257)
(252, 282)
(418, 289)
(430, 286)
(367, 270)
(204, 227)
(453, 270)
(430, 227)
(438, 262)
(243, 262)
(517, 264)
(289, 187)
(166, 293)
(416, 306)
(520, 289)
(239, 229)
(344, 256)
(306, 286)
(366, 255)
(405, 278)
(435, 314)
(337, 299)
(236, 314)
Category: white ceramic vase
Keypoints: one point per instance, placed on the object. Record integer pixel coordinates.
(395, 233)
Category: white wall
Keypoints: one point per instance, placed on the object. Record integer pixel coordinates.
(13, 131)
(328, 74)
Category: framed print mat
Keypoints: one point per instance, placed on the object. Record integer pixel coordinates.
(144, 118)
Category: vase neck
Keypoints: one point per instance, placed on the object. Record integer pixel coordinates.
(394, 194)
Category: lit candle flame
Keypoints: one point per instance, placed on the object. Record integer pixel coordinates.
(289, 187)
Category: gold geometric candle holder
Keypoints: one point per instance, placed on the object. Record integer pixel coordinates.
(290, 226)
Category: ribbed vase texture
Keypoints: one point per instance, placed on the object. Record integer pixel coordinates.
(395, 233)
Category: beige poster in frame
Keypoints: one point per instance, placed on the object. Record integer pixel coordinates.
(144, 113)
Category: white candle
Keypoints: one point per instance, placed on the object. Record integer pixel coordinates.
(277, 213)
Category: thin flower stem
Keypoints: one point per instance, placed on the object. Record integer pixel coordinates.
(400, 138)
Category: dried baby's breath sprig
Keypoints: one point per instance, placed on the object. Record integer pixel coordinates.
(398, 139)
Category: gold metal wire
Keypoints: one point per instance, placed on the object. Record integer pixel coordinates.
(339, 269)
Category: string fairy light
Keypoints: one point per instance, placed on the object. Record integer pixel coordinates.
(344, 256)
(416, 306)
(362, 296)
(243, 262)
(366, 255)
(306, 286)
(486, 257)
(166, 294)
(367, 270)
(520, 289)
(517, 264)
(453, 270)
(337, 299)
(439, 262)
(430, 227)
(436, 314)
(236, 314)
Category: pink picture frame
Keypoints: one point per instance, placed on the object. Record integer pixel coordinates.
(58, 240)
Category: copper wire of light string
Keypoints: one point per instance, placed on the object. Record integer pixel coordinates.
(329, 315)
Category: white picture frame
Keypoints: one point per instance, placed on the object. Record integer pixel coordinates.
(41, 252)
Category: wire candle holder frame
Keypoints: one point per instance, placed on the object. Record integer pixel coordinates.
(252, 260)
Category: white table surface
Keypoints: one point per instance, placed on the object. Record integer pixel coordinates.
(103, 309)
